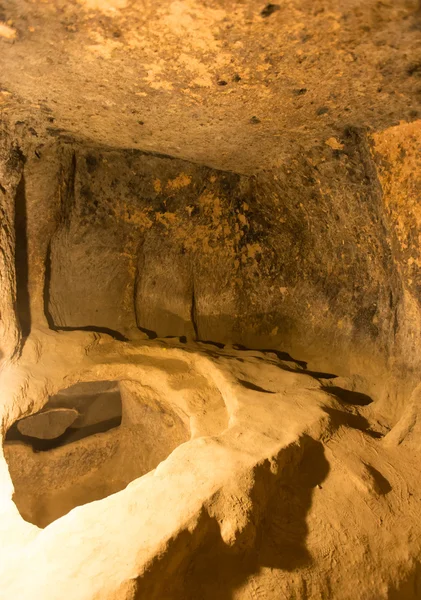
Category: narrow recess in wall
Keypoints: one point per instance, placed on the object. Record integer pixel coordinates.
(21, 260)
(47, 280)
(115, 439)
(193, 314)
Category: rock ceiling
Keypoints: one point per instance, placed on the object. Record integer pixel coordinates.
(234, 85)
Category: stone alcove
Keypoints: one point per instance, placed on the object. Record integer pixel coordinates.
(89, 441)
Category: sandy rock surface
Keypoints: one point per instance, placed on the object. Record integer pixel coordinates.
(267, 500)
(210, 300)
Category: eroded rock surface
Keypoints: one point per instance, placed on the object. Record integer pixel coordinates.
(283, 470)
(312, 256)
(210, 271)
(218, 82)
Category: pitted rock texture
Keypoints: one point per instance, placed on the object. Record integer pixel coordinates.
(219, 83)
(306, 259)
(181, 183)
(271, 203)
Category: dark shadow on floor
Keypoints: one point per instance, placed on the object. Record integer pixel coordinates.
(382, 484)
(72, 434)
(347, 396)
(320, 375)
(211, 343)
(339, 418)
(201, 566)
(111, 332)
(285, 357)
(252, 386)
(278, 353)
(152, 335)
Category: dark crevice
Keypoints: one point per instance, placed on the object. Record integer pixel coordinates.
(152, 335)
(111, 332)
(252, 386)
(278, 353)
(320, 375)
(211, 343)
(47, 281)
(136, 282)
(285, 356)
(72, 434)
(21, 260)
(348, 396)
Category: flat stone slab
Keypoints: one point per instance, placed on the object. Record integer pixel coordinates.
(48, 425)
